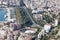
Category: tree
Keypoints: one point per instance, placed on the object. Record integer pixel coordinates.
(18, 16)
(41, 22)
(48, 18)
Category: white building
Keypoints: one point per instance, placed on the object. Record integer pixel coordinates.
(47, 27)
(29, 31)
(10, 14)
(56, 22)
(37, 15)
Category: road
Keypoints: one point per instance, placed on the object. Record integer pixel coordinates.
(34, 23)
(28, 14)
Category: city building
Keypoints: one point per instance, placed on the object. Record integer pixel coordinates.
(56, 22)
(29, 33)
(10, 14)
(9, 3)
(38, 16)
(47, 27)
